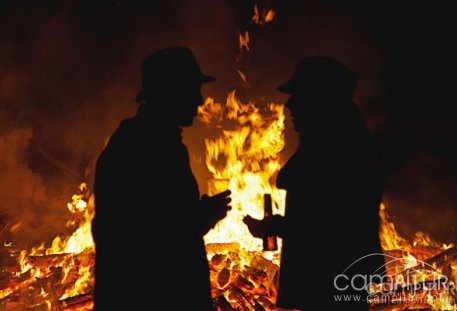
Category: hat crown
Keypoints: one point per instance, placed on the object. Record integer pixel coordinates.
(170, 64)
(170, 68)
(321, 74)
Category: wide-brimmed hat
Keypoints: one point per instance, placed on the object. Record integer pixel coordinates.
(320, 75)
(170, 68)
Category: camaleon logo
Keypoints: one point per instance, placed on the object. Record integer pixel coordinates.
(420, 284)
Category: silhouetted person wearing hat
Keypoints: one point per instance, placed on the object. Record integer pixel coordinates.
(150, 221)
(333, 193)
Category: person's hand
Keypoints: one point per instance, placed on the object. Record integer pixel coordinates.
(273, 225)
(258, 228)
(216, 206)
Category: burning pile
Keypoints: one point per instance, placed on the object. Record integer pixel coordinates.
(59, 277)
(420, 275)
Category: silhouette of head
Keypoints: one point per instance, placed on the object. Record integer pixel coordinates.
(318, 84)
(171, 83)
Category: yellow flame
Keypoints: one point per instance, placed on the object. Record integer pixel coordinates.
(247, 158)
(441, 302)
(390, 239)
(81, 284)
(63, 253)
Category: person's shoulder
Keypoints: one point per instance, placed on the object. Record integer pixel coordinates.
(126, 128)
(127, 125)
(124, 135)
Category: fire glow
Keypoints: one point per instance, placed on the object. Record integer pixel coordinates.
(245, 158)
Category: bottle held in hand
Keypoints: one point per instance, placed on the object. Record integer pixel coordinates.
(270, 241)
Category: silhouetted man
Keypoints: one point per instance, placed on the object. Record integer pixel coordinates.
(150, 222)
(333, 193)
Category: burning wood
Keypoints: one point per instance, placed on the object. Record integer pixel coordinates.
(423, 272)
(242, 286)
(222, 304)
(59, 277)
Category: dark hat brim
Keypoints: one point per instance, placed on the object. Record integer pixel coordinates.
(287, 88)
(204, 79)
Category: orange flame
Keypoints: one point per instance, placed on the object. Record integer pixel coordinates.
(261, 18)
(269, 16)
(244, 41)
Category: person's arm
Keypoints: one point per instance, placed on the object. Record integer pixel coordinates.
(213, 209)
(267, 227)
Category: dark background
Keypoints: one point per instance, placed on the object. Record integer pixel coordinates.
(69, 72)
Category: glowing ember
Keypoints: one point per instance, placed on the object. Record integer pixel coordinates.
(244, 41)
(265, 16)
(242, 75)
(269, 16)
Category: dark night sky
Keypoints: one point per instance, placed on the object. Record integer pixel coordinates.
(418, 145)
(69, 71)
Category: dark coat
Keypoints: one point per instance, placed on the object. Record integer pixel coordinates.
(148, 231)
(333, 195)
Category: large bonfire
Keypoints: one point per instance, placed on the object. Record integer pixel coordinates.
(245, 158)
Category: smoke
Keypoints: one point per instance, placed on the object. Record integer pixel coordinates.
(54, 117)
(420, 181)
(69, 72)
